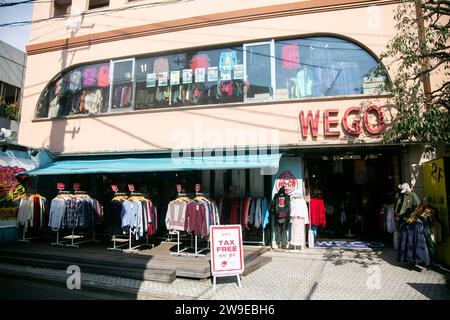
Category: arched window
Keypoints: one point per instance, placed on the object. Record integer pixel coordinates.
(324, 66)
(297, 68)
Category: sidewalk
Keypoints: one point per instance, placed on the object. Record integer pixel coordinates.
(312, 274)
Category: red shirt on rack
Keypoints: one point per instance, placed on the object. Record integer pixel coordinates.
(318, 212)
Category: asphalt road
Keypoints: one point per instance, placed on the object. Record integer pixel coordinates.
(29, 289)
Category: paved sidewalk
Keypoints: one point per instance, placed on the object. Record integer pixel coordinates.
(313, 274)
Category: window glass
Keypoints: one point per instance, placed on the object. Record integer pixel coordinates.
(258, 70)
(122, 86)
(323, 66)
(304, 68)
(194, 78)
(94, 4)
(82, 90)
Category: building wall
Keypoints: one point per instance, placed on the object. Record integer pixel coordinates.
(371, 27)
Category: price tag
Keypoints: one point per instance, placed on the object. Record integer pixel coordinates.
(114, 188)
(178, 188)
(76, 187)
(131, 187)
(197, 187)
(60, 186)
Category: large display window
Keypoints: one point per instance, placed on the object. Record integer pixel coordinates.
(298, 68)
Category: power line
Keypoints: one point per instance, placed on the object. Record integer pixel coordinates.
(92, 12)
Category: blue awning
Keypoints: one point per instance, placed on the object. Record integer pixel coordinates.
(124, 165)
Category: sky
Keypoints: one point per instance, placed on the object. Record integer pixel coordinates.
(16, 36)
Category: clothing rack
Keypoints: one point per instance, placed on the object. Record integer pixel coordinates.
(194, 239)
(182, 252)
(73, 236)
(127, 239)
(24, 239)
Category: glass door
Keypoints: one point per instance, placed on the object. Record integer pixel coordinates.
(259, 74)
(122, 85)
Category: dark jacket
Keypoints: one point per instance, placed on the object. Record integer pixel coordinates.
(276, 209)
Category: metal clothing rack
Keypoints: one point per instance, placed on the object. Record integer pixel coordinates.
(127, 239)
(194, 245)
(194, 239)
(24, 239)
(73, 236)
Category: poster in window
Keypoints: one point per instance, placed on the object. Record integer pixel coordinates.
(238, 72)
(213, 73)
(187, 75)
(200, 74)
(174, 78)
(162, 78)
(225, 73)
(151, 80)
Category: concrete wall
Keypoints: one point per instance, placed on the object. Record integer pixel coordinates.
(12, 64)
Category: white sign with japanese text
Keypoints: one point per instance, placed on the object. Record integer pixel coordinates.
(227, 254)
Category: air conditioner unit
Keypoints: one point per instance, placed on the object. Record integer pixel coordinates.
(8, 135)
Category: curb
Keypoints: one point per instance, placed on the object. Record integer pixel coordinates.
(129, 292)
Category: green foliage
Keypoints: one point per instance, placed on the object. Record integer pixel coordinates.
(421, 118)
(9, 111)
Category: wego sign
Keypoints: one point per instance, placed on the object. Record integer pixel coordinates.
(353, 121)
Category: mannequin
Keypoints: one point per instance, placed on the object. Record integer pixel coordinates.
(280, 209)
(408, 201)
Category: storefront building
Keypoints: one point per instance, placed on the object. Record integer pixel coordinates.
(294, 79)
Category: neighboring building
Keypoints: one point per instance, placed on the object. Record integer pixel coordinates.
(12, 70)
(133, 79)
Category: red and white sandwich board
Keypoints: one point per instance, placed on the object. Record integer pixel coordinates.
(227, 253)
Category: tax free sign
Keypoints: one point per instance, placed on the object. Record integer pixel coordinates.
(227, 254)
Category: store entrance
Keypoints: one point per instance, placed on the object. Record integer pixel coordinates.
(355, 187)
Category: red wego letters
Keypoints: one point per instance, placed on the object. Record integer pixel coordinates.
(331, 122)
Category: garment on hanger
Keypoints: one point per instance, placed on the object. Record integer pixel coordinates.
(75, 80)
(89, 76)
(318, 212)
(138, 216)
(299, 207)
(74, 211)
(290, 57)
(297, 231)
(412, 243)
(103, 76)
(32, 212)
(192, 215)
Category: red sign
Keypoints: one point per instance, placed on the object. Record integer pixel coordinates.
(131, 187)
(114, 188)
(197, 187)
(178, 188)
(227, 253)
(60, 186)
(331, 121)
(76, 186)
(287, 180)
